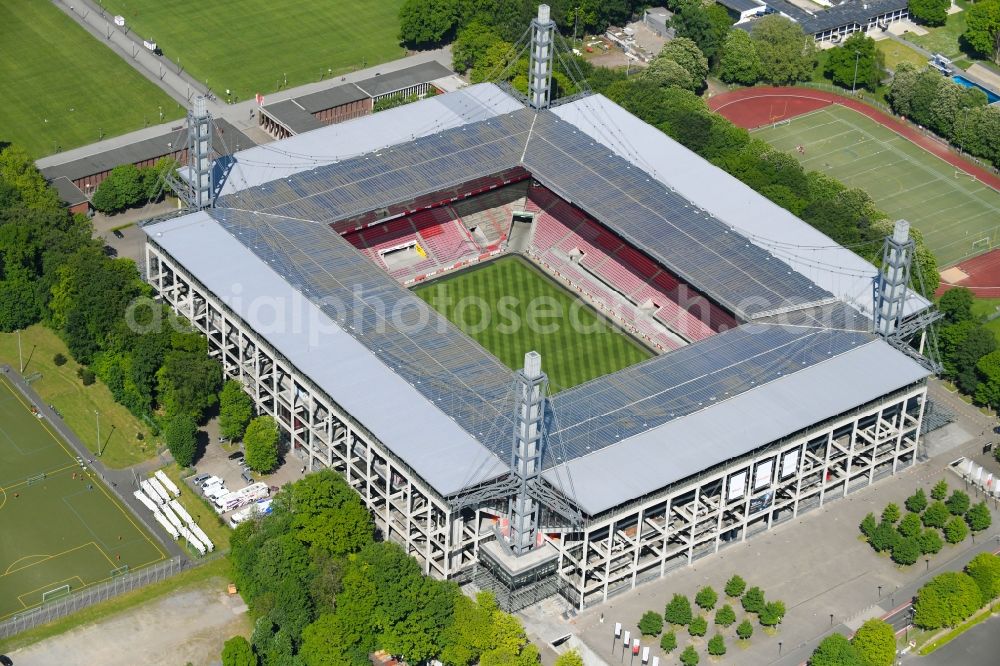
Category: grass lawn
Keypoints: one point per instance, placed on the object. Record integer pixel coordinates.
(944, 39)
(896, 53)
(251, 46)
(64, 88)
(77, 403)
(199, 509)
(958, 216)
(211, 575)
(575, 343)
(61, 526)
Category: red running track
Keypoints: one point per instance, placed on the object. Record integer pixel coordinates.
(984, 276)
(753, 107)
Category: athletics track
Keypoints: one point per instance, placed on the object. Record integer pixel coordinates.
(753, 107)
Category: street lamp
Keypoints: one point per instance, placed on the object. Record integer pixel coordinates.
(879, 591)
(98, 415)
(927, 561)
(831, 619)
(857, 59)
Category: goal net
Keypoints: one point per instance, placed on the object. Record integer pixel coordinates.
(55, 593)
(38, 478)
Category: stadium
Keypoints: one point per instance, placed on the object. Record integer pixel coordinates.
(768, 375)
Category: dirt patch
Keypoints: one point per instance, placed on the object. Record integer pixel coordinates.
(982, 275)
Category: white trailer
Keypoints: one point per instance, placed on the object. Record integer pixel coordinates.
(149, 504)
(258, 508)
(160, 490)
(167, 483)
(200, 533)
(171, 516)
(242, 497)
(181, 511)
(166, 525)
(150, 491)
(193, 540)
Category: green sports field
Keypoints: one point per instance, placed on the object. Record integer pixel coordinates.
(511, 308)
(958, 216)
(63, 529)
(62, 87)
(251, 46)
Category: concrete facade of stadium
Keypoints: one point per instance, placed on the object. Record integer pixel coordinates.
(764, 442)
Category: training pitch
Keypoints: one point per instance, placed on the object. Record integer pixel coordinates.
(957, 215)
(511, 308)
(64, 88)
(255, 46)
(60, 526)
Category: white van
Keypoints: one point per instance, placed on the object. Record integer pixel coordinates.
(217, 491)
(210, 481)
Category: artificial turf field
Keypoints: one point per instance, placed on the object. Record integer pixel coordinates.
(492, 304)
(957, 215)
(62, 87)
(60, 530)
(250, 46)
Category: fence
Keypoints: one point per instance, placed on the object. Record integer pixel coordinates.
(77, 601)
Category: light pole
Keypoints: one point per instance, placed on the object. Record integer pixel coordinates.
(857, 59)
(879, 591)
(161, 113)
(20, 357)
(98, 415)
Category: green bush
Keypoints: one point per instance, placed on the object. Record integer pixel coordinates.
(772, 614)
(868, 525)
(936, 515)
(744, 630)
(717, 645)
(884, 537)
(678, 611)
(706, 598)
(958, 503)
(978, 517)
(689, 657)
(930, 542)
(910, 525)
(86, 375)
(906, 551)
(891, 513)
(668, 641)
(725, 616)
(735, 586)
(651, 623)
(917, 502)
(956, 530)
(59, 359)
(753, 600)
(698, 626)
(940, 490)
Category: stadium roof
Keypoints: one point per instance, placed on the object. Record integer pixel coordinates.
(386, 84)
(293, 116)
(450, 399)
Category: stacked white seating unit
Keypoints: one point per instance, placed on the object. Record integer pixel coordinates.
(167, 483)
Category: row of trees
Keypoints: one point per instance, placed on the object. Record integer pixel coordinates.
(53, 271)
(128, 185)
(982, 29)
(919, 532)
(952, 597)
(969, 350)
(874, 644)
(776, 51)
(848, 216)
(325, 592)
(959, 114)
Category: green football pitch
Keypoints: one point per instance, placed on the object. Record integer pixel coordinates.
(251, 46)
(59, 525)
(511, 308)
(62, 87)
(957, 215)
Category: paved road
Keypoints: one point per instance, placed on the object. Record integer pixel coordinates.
(980, 646)
(120, 482)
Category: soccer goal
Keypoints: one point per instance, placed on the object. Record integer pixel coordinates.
(981, 245)
(782, 123)
(964, 174)
(38, 478)
(56, 593)
(120, 571)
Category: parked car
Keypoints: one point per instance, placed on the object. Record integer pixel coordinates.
(246, 477)
(201, 478)
(210, 481)
(238, 455)
(117, 233)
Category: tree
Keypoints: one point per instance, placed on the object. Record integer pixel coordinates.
(685, 53)
(906, 550)
(982, 27)
(744, 630)
(955, 530)
(651, 623)
(427, 22)
(930, 542)
(706, 26)
(235, 410)
(18, 305)
(772, 613)
(936, 515)
(786, 53)
(735, 586)
(571, 658)
(940, 490)
(891, 513)
(917, 502)
(988, 368)
(261, 442)
(910, 525)
(668, 642)
(875, 643)
(471, 44)
(884, 537)
(180, 434)
(857, 63)
(678, 611)
(956, 305)
(979, 517)
(689, 657)
(946, 600)
(984, 570)
(189, 381)
(725, 616)
(124, 187)
(958, 503)
(929, 12)
(698, 626)
(835, 650)
(706, 598)
(739, 62)
(237, 652)
(753, 600)
(717, 645)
